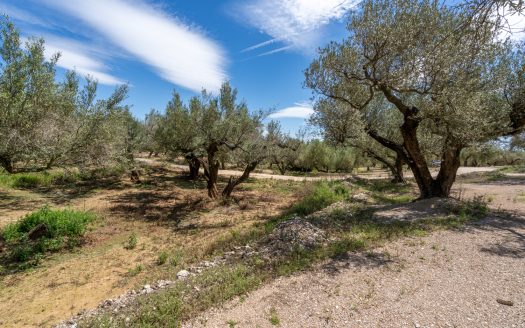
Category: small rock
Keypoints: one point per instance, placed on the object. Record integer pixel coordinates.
(183, 274)
(361, 197)
(147, 289)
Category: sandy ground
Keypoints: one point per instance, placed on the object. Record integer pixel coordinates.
(168, 216)
(374, 174)
(447, 279)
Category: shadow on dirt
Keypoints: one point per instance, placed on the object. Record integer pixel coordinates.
(512, 229)
(367, 260)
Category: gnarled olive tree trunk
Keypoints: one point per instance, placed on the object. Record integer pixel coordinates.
(7, 164)
(211, 170)
(411, 153)
(194, 165)
(232, 183)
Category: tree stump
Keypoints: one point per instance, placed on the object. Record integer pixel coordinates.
(135, 176)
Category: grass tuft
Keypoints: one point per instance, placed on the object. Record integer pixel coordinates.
(321, 195)
(274, 317)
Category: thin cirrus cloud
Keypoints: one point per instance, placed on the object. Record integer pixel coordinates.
(178, 53)
(74, 56)
(299, 110)
(298, 24)
(22, 15)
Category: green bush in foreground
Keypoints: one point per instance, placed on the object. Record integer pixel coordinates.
(63, 228)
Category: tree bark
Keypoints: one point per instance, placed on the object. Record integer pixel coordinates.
(7, 164)
(450, 163)
(211, 171)
(232, 183)
(194, 165)
(412, 155)
(51, 162)
(398, 170)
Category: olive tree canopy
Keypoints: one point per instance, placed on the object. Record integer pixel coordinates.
(460, 87)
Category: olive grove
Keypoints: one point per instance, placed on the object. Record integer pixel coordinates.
(210, 127)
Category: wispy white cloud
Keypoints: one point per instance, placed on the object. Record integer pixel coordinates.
(260, 45)
(299, 110)
(296, 23)
(75, 56)
(80, 58)
(271, 52)
(22, 15)
(178, 53)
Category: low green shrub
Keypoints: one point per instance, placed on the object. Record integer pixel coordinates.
(46, 179)
(323, 194)
(60, 229)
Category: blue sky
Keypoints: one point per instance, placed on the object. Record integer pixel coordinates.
(261, 46)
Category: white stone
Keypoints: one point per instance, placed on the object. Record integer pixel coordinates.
(183, 274)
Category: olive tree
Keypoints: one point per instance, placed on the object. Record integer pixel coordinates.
(90, 131)
(54, 123)
(342, 126)
(284, 150)
(26, 91)
(456, 85)
(178, 135)
(152, 140)
(209, 129)
(222, 125)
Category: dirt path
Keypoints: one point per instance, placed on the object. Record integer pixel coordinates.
(447, 279)
(375, 174)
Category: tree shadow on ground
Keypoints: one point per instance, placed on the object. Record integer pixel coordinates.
(64, 194)
(11, 202)
(367, 260)
(512, 230)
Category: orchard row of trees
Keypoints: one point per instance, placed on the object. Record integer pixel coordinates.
(46, 123)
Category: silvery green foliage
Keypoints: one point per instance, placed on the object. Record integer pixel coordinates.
(46, 123)
(450, 79)
(210, 129)
(456, 81)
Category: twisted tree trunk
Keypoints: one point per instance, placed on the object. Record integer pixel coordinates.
(7, 163)
(397, 172)
(194, 165)
(232, 183)
(211, 171)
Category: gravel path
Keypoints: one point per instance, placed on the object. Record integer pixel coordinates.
(447, 279)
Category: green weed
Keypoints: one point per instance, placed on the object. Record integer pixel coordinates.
(163, 257)
(131, 243)
(59, 229)
(274, 317)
